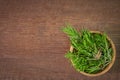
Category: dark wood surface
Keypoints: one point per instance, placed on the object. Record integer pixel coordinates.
(32, 46)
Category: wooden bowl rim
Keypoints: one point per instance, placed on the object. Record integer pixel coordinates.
(109, 66)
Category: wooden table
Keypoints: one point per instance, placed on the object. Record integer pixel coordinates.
(32, 45)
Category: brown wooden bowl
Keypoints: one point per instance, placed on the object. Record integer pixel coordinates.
(109, 66)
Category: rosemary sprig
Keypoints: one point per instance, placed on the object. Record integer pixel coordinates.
(92, 51)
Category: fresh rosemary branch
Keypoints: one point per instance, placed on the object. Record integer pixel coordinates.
(92, 51)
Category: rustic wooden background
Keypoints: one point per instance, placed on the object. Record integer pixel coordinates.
(32, 45)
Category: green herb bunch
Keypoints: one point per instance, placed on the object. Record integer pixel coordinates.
(92, 52)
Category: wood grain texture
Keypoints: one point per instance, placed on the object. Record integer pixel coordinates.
(32, 46)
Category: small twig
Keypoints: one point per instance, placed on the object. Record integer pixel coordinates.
(98, 55)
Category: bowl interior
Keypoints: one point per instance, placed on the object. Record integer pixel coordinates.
(109, 66)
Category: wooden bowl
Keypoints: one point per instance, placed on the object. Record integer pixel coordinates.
(109, 66)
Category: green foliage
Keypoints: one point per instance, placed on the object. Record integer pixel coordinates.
(92, 51)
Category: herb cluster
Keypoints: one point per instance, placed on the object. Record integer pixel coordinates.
(92, 51)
